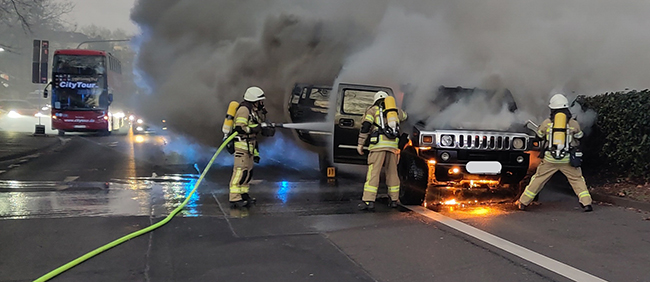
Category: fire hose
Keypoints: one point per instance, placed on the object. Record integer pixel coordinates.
(123, 239)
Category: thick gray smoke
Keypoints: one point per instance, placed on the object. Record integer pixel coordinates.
(198, 55)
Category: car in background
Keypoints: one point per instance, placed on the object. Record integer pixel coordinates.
(140, 125)
(18, 109)
(21, 116)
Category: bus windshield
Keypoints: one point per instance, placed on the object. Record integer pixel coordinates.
(79, 93)
(79, 65)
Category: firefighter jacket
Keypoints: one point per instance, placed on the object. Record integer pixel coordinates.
(382, 142)
(247, 124)
(545, 132)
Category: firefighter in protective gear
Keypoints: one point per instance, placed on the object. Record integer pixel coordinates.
(384, 151)
(561, 133)
(249, 122)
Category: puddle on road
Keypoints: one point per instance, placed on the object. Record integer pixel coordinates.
(143, 196)
(158, 195)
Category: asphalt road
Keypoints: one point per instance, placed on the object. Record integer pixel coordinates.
(92, 190)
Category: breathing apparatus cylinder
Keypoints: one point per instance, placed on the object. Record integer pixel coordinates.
(559, 139)
(391, 124)
(392, 117)
(230, 118)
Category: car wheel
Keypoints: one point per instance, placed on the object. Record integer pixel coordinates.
(414, 178)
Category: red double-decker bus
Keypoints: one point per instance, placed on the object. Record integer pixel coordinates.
(83, 86)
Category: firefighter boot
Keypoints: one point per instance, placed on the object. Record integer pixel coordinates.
(369, 206)
(586, 208)
(248, 198)
(520, 206)
(239, 204)
(393, 204)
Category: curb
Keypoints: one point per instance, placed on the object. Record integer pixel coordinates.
(29, 152)
(619, 201)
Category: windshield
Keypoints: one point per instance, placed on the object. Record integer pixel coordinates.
(83, 65)
(79, 93)
(491, 100)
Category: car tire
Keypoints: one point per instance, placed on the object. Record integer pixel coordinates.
(414, 178)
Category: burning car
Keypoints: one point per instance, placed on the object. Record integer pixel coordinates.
(454, 159)
(461, 161)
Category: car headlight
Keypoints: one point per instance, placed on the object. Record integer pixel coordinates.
(13, 114)
(446, 140)
(518, 143)
(140, 120)
(139, 128)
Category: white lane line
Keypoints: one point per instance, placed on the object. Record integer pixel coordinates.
(2, 171)
(539, 259)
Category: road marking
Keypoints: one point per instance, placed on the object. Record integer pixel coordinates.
(536, 258)
(2, 171)
(70, 179)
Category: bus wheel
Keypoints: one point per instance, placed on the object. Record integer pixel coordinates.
(61, 133)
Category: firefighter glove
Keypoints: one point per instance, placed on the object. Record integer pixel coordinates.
(268, 129)
(360, 149)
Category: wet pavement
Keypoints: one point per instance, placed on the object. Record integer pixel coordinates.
(75, 198)
(22, 144)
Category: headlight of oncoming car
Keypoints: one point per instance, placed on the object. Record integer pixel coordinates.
(139, 128)
(446, 140)
(518, 143)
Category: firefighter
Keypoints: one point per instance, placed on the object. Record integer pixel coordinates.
(561, 153)
(249, 122)
(384, 150)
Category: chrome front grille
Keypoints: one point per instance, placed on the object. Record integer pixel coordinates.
(482, 140)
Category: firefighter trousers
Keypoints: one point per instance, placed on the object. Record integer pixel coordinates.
(544, 172)
(242, 173)
(376, 161)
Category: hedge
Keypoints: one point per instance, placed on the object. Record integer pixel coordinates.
(619, 143)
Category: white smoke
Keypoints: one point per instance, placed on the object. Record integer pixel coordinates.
(199, 55)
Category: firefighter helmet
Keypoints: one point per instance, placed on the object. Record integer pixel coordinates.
(558, 101)
(380, 95)
(254, 94)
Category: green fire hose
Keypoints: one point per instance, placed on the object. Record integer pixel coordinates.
(103, 248)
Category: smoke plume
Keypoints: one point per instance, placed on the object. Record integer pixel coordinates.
(198, 55)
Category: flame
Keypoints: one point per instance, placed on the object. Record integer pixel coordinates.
(451, 202)
(479, 182)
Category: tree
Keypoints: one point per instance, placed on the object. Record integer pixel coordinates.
(21, 17)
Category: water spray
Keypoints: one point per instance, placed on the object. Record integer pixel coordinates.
(314, 126)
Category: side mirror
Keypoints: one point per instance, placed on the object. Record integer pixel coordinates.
(110, 98)
(45, 89)
(532, 126)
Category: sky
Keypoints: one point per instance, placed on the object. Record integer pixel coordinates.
(111, 14)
